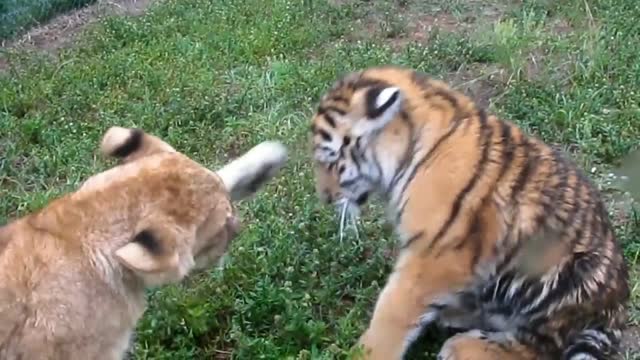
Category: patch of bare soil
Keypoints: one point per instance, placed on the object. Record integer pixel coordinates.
(419, 28)
(539, 58)
(416, 20)
(62, 30)
(481, 82)
(631, 340)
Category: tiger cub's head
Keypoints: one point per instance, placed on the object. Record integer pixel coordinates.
(177, 215)
(351, 122)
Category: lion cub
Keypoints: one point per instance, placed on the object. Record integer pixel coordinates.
(73, 274)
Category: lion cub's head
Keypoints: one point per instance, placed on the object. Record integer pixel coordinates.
(72, 274)
(175, 215)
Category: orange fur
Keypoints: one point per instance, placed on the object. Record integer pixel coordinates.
(499, 233)
(74, 273)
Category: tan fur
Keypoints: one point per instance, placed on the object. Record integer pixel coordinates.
(499, 233)
(73, 274)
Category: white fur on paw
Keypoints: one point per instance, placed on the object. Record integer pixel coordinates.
(582, 356)
(272, 152)
(255, 167)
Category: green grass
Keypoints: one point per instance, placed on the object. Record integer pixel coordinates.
(214, 78)
(17, 16)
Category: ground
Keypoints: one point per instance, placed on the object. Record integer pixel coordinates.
(216, 77)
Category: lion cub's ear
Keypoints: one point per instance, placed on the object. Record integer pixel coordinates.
(152, 254)
(131, 144)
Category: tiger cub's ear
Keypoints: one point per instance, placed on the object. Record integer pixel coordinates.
(131, 144)
(382, 105)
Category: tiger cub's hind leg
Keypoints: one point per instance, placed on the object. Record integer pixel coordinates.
(594, 344)
(480, 345)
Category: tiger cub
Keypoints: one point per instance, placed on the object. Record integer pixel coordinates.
(500, 235)
(73, 274)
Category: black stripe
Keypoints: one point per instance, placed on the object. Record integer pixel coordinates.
(610, 273)
(324, 148)
(445, 95)
(594, 226)
(526, 294)
(339, 98)
(404, 116)
(347, 81)
(329, 119)
(132, 144)
(349, 182)
(531, 158)
(570, 278)
(604, 220)
(509, 256)
(368, 178)
(501, 287)
(325, 135)
(475, 230)
(508, 149)
(355, 158)
(552, 199)
(410, 240)
(484, 126)
(364, 82)
(428, 155)
(420, 79)
(408, 153)
(437, 307)
(358, 140)
(376, 163)
(324, 109)
(561, 193)
(485, 136)
(401, 211)
(547, 208)
(475, 235)
(579, 226)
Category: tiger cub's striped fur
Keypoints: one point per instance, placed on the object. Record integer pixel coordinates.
(501, 235)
